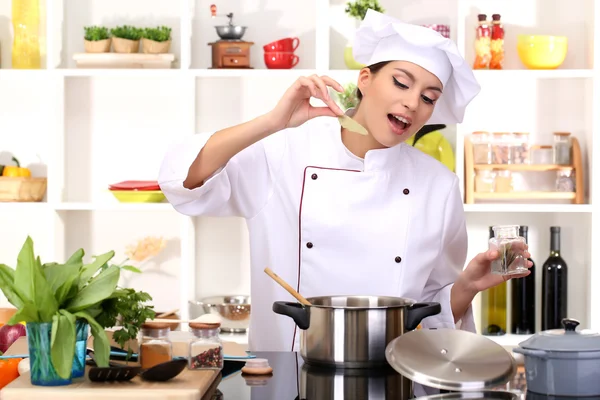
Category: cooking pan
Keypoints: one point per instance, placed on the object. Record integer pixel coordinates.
(352, 331)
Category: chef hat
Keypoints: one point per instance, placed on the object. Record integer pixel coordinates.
(383, 38)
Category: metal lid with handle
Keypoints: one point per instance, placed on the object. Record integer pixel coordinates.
(483, 395)
(451, 359)
(568, 339)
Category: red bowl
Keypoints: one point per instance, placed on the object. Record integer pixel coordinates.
(281, 60)
(135, 185)
(287, 45)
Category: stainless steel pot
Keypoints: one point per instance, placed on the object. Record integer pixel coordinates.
(233, 310)
(230, 32)
(562, 362)
(353, 331)
(484, 395)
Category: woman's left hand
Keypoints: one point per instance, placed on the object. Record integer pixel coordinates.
(478, 275)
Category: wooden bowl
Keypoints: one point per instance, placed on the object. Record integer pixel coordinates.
(172, 326)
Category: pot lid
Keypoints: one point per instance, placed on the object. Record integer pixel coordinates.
(451, 359)
(484, 395)
(566, 339)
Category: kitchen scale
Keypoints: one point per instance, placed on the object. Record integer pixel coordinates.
(230, 51)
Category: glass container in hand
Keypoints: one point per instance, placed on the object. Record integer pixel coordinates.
(511, 247)
(206, 349)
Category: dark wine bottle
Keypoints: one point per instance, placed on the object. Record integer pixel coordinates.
(554, 285)
(493, 308)
(523, 299)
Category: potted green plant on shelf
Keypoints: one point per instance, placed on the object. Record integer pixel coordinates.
(358, 9)
(96, 39)
(156, 40)
(60, 303)
(126, 39)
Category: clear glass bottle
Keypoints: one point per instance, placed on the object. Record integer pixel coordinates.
(482, 148)
(206, 350)
(155, 345)
(565, 181)
(511, 247)
(484, 181)
(562, 148)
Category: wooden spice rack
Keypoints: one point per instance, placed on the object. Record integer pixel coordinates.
(471, 196)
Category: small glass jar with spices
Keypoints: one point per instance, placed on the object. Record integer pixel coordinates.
(542, 155)
(564, 180)
(562, 148)
(155, 345)
(521, 148)
(484, 181)
(503, 182)
(502, 146)
(206, 349)
(482, 147)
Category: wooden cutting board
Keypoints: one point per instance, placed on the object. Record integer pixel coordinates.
(189, 385)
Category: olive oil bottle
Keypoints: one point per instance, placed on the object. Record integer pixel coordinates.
(493, 308)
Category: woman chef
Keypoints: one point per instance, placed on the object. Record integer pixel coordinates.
(335, 212)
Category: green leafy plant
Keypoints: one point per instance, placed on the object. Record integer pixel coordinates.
(358, 8)
(127, 32)
(348, 97)
(96, 33)
(158, 34)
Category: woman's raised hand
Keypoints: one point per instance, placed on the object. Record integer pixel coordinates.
(294, 108)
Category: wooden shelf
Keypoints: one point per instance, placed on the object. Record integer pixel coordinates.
(525, 196)
(523, 167)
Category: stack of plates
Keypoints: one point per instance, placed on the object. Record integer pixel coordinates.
(137, 192)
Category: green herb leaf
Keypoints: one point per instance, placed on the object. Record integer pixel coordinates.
(101, 343)
(131, 268)
(11, 292)
(99, 288)
(62, 277)
(90, 269)
(28, 312)
(62, 342)
(25, 272)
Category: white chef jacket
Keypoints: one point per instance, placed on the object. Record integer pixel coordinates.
(330, 223)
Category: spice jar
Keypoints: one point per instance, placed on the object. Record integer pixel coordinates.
(155, 345)
(484, 181)
(542, 155)
(482, 43)
(502, 148)
(564, 181)
(503, 182)
(482, 148)
(520, 148)
(511, 247)
(497, 43)
(562, 148)
(206, 350)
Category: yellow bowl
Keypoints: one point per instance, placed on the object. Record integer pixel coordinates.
(138, 196)
(542, 51)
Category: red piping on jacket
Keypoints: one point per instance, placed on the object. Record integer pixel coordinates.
(300, 228)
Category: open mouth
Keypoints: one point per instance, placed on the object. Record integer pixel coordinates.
(399, 123)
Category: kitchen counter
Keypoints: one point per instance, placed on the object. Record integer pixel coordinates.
(292, 380)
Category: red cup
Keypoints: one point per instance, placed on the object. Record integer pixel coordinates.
(287, 45)
(281, 60)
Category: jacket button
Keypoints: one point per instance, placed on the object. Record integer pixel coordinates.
(406, 191)
(314, 176)
(309, 245)
(398, 259)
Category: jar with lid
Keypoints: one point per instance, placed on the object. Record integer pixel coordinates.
(482, 147)
(521, 148)
(206, 349)
(155, 345)
(511, 247)
(502, 148)
(562, 148)
(542, 155)
(564, 180)
(484, 181)
(503, 182)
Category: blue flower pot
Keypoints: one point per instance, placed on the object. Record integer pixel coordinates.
(42, 372)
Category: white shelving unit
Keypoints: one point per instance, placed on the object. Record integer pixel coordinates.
(85, 129)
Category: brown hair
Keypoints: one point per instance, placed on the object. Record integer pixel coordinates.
(374, 68)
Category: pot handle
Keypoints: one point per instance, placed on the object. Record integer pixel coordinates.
(419, 311)
(295, 311)
(530, 352)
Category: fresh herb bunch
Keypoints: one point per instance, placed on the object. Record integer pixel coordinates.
(127, 32)
(508, 256)
(358, 8)
(158, 34)
(96, 33)
(348, 97)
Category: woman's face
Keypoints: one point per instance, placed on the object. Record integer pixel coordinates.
(397, 101)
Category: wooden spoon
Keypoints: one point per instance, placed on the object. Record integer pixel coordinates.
(287, 287)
